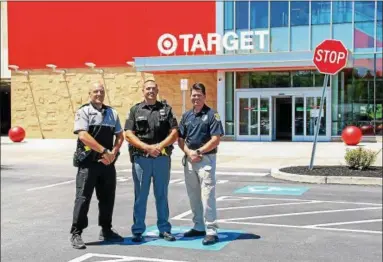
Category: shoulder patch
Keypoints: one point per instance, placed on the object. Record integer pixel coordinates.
(77, 116)
(216, 116)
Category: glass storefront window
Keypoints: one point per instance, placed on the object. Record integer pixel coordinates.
(341, 12)
(299, 43)
(358, 97)
(342, 22)
(299, 21)
(229, 15)
(243, 116)
(254, 116)
(280, 79)
(259, 20)
(229, 103)
(343, 32)
(242, 15)
(279, 17)
(320, 12)
(242, 80)
(279, 13)
(265, 117)
(259, 79)
(299, 117)
(379, 27)
(320, 22)
(299, 13)
(259, 15)
(322, 128)
(378, 122)
(279, 39)
(303, 78)
(310, 116)
(364, 29)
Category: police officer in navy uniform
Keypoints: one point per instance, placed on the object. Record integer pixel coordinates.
(96, 125)
(200, 131)
(151, 129)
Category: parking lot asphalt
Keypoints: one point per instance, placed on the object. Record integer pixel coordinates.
(260, 219)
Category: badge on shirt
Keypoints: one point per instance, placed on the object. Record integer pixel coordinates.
(77, 116)
(216, 116)
(204, 118)
(162, 112)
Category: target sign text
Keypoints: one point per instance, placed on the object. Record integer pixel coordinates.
(231, 41)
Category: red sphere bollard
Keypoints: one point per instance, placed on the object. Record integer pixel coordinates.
(16, 134)
(351, 135)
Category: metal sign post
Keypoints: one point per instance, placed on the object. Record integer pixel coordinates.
(184, 88)
(330, 57)
(318, 121)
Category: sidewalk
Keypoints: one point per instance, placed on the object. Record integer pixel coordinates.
(232, 154)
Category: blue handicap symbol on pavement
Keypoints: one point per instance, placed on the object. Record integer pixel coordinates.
(225, 236)
(272, 190)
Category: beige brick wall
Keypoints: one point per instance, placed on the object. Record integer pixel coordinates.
(54, 104)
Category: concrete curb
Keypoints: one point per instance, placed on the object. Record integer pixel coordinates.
(276, 173)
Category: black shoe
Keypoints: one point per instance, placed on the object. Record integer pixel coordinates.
(77, 242)
(110, 235)
(210, 240)
(167, 236)
(194, 233)
(137, 238)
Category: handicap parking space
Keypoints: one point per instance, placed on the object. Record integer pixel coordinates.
(252, 204)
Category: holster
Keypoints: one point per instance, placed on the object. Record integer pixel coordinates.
(80, 154)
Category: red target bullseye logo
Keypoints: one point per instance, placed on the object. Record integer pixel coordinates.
(167, 44)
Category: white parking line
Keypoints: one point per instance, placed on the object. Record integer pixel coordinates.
(300, 227)
(52, 185)
(223, 173)
(236, 198)
(304, 213)
(346, 223)
(117, 258)
(270, 205)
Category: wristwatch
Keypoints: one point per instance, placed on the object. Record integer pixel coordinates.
(104, 151)
(199, 152)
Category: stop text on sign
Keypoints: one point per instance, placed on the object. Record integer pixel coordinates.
(246, 40)
(329, 56)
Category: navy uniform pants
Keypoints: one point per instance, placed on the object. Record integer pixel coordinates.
(144, 170)
(102, 178)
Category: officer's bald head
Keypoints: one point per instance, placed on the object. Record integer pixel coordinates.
(95, 85)
(97, 94)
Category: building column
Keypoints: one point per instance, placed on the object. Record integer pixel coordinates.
(221, 96)
(5, 72)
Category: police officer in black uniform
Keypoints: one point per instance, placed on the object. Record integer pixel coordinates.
(200, 132)
(96, 125)
(151, 130)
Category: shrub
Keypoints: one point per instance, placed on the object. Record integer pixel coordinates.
(360, 158)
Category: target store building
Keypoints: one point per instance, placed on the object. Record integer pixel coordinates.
(255, 58)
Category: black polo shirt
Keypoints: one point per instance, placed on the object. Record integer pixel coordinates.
(151, 123)
(198, 128)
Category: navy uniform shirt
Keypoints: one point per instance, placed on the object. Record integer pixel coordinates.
(198, 128)
(151, 123)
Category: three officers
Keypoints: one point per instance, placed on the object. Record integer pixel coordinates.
(151, 129)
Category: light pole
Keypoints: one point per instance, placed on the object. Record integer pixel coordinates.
(63, 73)
(26, 73)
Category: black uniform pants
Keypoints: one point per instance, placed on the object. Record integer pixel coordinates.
(103, 178)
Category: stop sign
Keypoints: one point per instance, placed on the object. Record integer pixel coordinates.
(330, 56)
